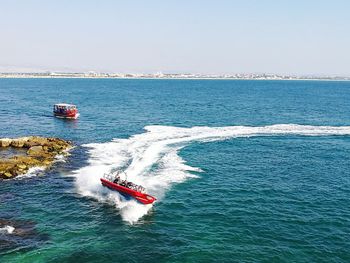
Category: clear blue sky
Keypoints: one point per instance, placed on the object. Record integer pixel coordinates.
(200, 36)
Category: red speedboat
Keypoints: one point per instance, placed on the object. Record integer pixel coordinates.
(126, 189)
(63, 110)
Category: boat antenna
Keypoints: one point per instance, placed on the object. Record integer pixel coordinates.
(126, 176)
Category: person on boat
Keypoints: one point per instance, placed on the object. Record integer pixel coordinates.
(123, 183)
(117, 180)
(119, 177)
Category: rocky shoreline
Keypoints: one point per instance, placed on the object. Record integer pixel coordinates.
(40, 152)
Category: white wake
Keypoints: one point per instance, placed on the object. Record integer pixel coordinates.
(151, 158)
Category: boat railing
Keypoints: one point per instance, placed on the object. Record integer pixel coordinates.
(109, 176)
(113, 176)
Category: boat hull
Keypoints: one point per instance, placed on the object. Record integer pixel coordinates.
(141, 197)
(66, 116)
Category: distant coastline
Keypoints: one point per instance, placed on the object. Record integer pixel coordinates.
(95, 75)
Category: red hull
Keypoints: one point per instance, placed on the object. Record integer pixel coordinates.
(71, 115)
(143, 198)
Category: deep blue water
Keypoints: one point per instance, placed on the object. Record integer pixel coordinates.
(271, 197)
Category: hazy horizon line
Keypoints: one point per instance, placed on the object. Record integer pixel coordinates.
(50, 71)
(160, 75)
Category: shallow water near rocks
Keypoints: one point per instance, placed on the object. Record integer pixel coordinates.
(244, 171)
(8, 152)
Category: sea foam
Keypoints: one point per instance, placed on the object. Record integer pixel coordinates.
(151, 159)
(7, 229)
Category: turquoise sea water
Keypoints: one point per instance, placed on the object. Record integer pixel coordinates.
(244, 171)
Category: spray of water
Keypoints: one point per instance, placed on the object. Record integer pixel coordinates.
(7, 229)
(151, 159)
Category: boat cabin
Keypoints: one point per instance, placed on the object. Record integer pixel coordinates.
(65, 110)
